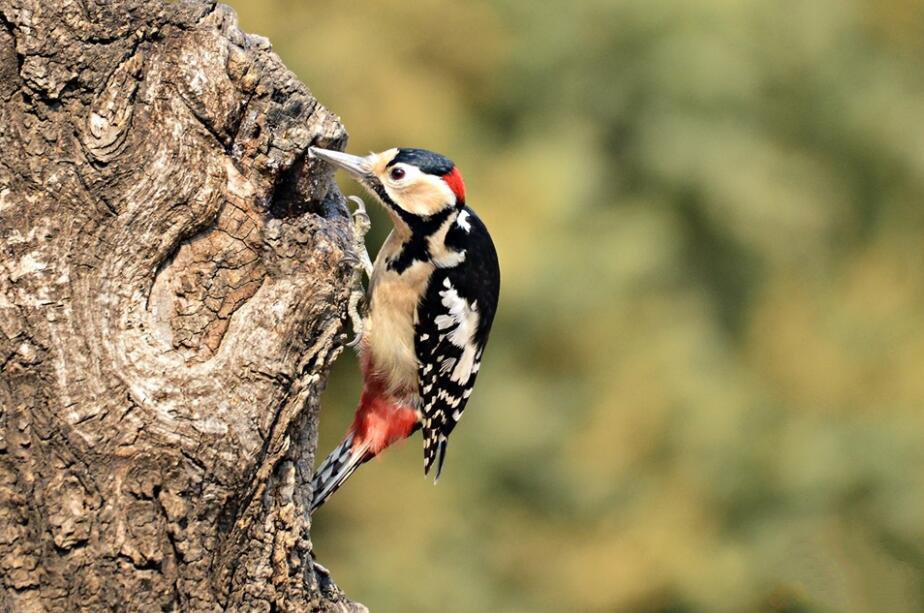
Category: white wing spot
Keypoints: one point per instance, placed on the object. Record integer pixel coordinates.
(465, 318)
(447, 365)
(463, 222)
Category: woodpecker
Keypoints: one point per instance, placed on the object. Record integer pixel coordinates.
(432, 296)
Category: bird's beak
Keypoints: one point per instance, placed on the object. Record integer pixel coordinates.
(357, 166)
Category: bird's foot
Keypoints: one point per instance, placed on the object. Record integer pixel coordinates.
(355, 317)
(361, 225)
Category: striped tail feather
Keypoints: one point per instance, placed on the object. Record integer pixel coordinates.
(434, 452)
(336, 469)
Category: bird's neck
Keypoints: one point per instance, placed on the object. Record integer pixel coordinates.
(419, 238)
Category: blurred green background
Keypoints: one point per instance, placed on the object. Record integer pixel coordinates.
(705, 385)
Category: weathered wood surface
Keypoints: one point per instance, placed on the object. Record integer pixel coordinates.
(173, 275)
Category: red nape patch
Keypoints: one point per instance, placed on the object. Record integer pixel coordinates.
(453, 179)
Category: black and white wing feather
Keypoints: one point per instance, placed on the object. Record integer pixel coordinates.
(453, 322)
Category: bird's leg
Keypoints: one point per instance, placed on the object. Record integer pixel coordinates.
(361, 225)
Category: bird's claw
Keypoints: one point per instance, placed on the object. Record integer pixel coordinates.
(318, 568)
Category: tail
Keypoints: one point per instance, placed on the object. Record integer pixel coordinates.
(434, 452)
(336, 469)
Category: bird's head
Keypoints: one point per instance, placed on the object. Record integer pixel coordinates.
(410, 183)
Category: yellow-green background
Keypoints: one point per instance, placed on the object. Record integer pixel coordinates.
(705, 386)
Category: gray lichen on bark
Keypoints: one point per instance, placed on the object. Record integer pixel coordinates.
(173, 275)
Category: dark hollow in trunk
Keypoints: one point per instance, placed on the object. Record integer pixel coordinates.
(173, 276)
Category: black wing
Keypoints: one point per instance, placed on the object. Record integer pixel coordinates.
(453, 322)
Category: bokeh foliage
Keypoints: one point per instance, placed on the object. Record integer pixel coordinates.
(705, 388)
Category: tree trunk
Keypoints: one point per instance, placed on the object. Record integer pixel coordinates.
(173, 278)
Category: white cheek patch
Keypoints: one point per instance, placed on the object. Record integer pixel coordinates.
(464, 316)
(419, 193)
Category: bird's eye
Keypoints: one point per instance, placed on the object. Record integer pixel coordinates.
(397, 173)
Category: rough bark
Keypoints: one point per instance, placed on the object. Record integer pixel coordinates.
(173, 278)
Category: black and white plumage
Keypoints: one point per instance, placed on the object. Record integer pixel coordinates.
(337, 468)
(433, 294)
(454, 320)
